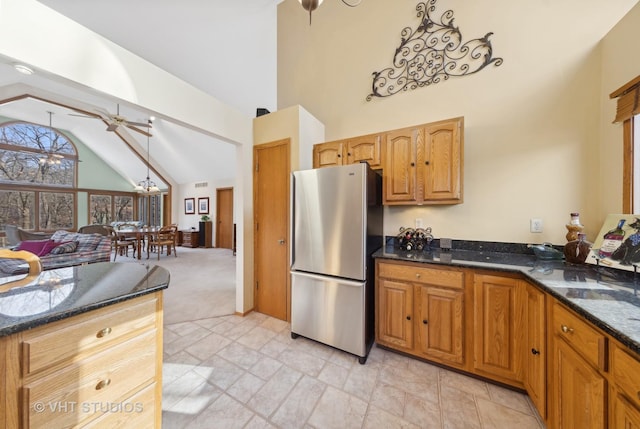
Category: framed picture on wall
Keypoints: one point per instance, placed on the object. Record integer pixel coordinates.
(189, 206)
(203, 205)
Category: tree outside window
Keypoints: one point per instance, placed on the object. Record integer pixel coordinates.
(36, 164)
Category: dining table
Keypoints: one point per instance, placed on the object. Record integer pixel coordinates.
(139, 235)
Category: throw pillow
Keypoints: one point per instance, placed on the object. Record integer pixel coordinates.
(66, 247)
(33, 246)
(47, 248)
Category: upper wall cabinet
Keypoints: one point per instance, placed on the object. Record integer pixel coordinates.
(349, 151)
(423, 165)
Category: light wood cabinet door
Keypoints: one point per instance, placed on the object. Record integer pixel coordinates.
(441, 166)
(625, 415)
(535, 374)
(499, 326)
(365, 148)
(578, 390)
(439, 323)
(328, 154)
(400, 169)
(395, 313)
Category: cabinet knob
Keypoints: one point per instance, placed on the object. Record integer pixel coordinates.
(535, 352)
(566, 329)
(413, 164)
(426, 163)
(425, 322)
(348, 153)
(339, 156)
(103, 384)
(408, 317)
(417, 275)
(103, 333)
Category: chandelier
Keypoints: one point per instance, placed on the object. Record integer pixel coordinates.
(311, 5)
(147, 186)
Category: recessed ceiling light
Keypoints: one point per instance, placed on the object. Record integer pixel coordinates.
(23, 69)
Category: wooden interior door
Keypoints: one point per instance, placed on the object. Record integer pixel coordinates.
(224, 218)
(271, 228)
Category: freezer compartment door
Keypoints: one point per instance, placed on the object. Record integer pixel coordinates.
(331, 311)
(329, 221)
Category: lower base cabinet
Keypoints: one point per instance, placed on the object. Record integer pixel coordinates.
(578, 392)
(576, 375)
(624, 414)
(421, 311)
(535, 349)
(439, 323)
(98, 369)
(498, 327)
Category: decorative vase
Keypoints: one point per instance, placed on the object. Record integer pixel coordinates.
(574, 227)
(576, 251)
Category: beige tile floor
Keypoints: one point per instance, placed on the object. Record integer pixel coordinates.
(247, 372)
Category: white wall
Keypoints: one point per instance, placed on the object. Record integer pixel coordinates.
(532, 125)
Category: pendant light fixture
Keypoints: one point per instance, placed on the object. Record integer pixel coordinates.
(311, 5)
(51, 158)
(147, 186)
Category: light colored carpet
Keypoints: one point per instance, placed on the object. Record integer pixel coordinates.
(202, 285)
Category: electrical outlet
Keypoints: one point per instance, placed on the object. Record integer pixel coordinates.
(418, 222)
(535, 225)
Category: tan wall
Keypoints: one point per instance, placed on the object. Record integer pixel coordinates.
(532, 125)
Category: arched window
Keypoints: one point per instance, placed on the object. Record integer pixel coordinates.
(37, 177)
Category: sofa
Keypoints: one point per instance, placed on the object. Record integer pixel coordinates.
(16, 235)
(62, 249)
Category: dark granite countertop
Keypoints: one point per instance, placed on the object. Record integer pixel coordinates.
(65, 292)
(608, 298)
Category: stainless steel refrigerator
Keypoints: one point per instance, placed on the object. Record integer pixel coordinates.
(336, 226)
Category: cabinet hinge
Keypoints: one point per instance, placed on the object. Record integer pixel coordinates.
(257, 166)
(257, 285)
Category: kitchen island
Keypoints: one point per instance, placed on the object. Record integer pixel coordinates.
(82, 346)
(547, 327)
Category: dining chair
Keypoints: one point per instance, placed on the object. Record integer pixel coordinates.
(119, 245)
(165, 236)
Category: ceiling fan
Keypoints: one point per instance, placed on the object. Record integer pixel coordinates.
(116, 121)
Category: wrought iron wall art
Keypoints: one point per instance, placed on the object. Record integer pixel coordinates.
(430, 53)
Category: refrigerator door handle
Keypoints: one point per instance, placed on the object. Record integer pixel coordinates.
(324, 278)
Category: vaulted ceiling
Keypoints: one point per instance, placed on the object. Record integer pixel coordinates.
(203, 43)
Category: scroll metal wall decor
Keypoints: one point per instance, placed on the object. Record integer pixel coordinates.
(432, 52)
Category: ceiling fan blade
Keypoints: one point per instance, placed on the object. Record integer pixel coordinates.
(131, 127)
(112, 127)
(139, 124)
(83, 116)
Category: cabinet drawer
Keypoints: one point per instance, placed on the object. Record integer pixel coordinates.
(51, 344)
(138, 412)
(89, 387)
(626, 373)
(416, 274)
(586, 340)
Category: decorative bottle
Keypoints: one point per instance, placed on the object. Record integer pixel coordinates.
(574, 227)
(612, 240)
(576, 251)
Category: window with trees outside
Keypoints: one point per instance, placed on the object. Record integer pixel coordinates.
(38, 168)
(106, 208)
